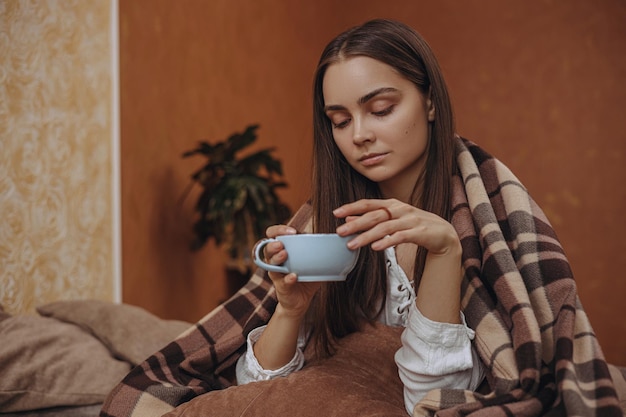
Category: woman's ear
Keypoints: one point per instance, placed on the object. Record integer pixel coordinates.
(430, 107)
(431, 110)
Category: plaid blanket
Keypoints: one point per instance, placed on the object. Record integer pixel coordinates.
(518, 294)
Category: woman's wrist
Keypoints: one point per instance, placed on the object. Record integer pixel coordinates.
(451, 246)
(441, 280)
(287, 314)
(278, 343)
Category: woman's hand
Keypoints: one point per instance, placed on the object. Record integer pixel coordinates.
(387, 223)
(278, 342)
(293, 297)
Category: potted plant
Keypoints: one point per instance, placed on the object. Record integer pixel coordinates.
(238, 199)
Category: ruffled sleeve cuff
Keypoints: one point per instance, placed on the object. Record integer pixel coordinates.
(249, 370)
(434, 348)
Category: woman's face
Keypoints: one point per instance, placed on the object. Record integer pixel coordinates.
(379, 122)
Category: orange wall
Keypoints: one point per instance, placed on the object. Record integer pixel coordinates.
(539, 84)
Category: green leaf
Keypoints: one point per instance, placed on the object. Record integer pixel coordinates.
(261, 159)
(238, 199)
(238, 141)
(204, 148)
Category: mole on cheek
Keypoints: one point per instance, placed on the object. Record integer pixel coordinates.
(406, 132)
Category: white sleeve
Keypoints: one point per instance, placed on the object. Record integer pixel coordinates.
(248, 368)
(436, 355)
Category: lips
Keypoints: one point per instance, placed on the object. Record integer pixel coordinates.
(371, 159)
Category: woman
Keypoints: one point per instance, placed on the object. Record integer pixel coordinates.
(383, 123)
(453, 249)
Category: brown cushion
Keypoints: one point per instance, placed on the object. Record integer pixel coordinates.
(360, 380)
(131, 333)
(47, 363)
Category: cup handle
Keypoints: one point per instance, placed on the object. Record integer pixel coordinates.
(257, 258)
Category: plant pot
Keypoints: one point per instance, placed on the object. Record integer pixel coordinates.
(235, 279)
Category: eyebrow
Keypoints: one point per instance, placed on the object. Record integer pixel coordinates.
(367, 97)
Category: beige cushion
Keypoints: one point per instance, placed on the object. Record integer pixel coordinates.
(360, 380)
(131, 333)
(48, 363)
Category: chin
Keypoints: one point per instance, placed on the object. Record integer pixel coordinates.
(377, 177)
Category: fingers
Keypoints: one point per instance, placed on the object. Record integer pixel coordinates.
(387, 223)
(292, 295)
(368, 215)
(386, 210)
(361, 207)
(374, 210)
(280, 229)
(376, 222)
(274, 252)
(283, 281)
(290, 279)
(376, 239)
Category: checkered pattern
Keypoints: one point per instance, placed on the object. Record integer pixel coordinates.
(518, 294)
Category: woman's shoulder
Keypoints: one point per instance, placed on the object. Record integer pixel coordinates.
(472, 159)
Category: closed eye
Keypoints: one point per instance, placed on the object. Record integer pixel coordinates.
(384, 112)
(339, 119)
(341, 125)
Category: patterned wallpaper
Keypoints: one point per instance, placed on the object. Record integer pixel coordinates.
(56, 213)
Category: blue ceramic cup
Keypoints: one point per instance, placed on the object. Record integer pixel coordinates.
(312, 257)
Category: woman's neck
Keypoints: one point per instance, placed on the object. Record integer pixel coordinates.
(406, 191)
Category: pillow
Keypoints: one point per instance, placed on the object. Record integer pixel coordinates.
(361, 379)
(131, 333)
(3, 314)
(47, 363)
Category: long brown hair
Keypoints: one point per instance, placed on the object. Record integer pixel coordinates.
(340, 307)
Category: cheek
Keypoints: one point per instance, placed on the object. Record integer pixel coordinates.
(410, 129)
(342, 144)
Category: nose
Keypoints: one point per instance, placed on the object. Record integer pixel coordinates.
(361, 133)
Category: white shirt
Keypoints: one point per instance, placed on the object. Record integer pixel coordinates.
(433, 355)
